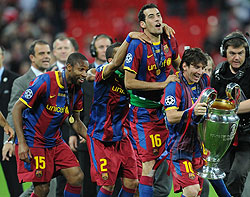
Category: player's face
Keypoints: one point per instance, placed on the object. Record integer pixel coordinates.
(101, 46)
(236, 56)
(153, 21)
(193, 72)
(62, 50)
(79, 72)
(42, 56)
(209, 68)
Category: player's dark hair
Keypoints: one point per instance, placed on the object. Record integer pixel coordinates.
(193, 56)
(74, 58)
(110, 53)
(3, 49)
(141, 15)
(33, 45)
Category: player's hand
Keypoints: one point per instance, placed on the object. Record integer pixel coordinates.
(91, 74)
(9, 131)
(7, 151)
(82, 140)
(200, 109)
(24, 152)
(168, 30)
(73, 143)
(141, 36)
(171, 78)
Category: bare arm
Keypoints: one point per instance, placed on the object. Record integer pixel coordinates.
(8, 130)
(175, 116)
(79, 126)
(244, 107)
(121, 53)
(132, 83)
(23, 149)
(176, 63)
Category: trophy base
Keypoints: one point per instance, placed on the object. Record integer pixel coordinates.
(213, 173)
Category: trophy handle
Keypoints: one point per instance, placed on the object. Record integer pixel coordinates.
(237, 93)
(208, 96)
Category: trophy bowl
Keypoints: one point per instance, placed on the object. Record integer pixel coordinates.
(216, 133)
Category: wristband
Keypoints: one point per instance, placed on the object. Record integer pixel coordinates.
(128, 39)
(8, 142)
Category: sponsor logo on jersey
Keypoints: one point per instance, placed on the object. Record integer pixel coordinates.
(118, 89)
(62, 110)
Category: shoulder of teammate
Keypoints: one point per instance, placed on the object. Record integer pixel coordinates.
(135, 51)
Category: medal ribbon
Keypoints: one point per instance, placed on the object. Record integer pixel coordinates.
(67, 93)
(157, 63)
(190, 90)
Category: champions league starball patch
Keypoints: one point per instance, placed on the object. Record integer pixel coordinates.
(28, 94)
(128, 58)
(170, 100)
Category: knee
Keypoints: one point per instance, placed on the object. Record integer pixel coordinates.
(76, 179)
(191, 190)
(41, 189)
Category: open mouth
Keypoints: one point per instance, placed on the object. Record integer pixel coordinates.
(158, 25)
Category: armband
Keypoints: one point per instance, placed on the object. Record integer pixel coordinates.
(128, 39)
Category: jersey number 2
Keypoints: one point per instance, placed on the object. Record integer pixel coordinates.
(104, 163)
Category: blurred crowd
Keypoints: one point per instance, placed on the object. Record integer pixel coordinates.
(23, 21)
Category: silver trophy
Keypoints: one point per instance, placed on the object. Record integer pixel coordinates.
(218, 129)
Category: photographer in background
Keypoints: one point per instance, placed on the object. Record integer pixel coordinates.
(236, 69)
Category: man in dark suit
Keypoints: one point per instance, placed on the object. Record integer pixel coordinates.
(9, 166)
(40, 56)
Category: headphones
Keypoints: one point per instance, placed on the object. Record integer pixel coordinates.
(92, 48)
(227, 38)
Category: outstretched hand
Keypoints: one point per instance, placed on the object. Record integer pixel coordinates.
(168, 30)
(171, 78)
(141, 36)
(9, 131)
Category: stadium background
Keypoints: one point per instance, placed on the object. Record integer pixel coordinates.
(198, 23)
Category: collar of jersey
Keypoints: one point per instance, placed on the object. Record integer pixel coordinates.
(58, 80)
(156, 43)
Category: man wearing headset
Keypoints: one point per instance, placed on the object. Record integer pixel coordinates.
(98, 48)
(236, 68)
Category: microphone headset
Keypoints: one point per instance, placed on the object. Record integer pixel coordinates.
(233, 36)
(92, 47)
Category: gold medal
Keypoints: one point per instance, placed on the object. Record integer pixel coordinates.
(158, 71)
(71, 119)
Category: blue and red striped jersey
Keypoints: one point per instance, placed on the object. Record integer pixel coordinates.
(183, 145)
(141, 60)
(110, 108)
(47, 109)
